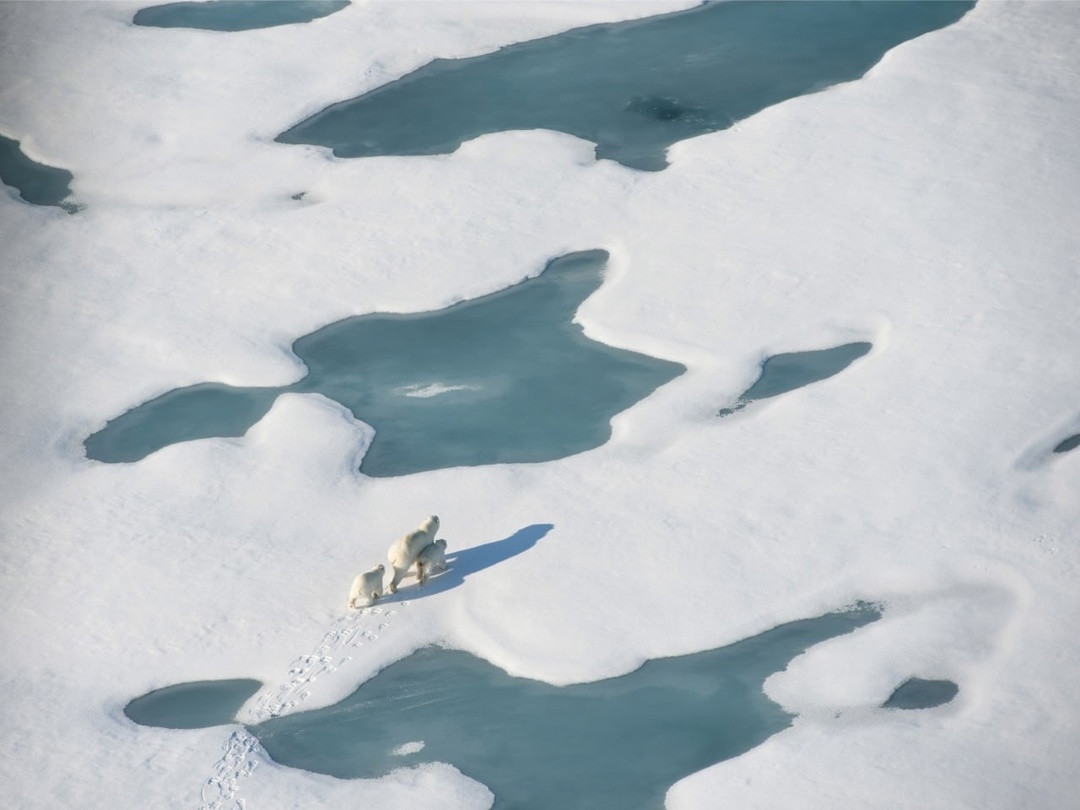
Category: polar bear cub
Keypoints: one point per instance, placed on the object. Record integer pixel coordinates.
(367, 587)
(431, 558)
(403, 552)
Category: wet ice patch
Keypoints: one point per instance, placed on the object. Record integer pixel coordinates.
(782, 373)
(633, 88)
(198, 704)
(1071, 443)
(37, 183)
(1057, 442)
(558, 403)
(512, 733)
(953, 627)
(540, 746)
(917, 693)
(236, 15)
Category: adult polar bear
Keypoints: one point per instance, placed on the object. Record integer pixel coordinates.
(403, 552)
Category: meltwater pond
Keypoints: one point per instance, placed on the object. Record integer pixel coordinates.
(503, 378)
(192, 705)
(616, 744)
(633, 88)
(782, 373)
(918, 693)
(1071, 443)
(236, 15)
(36, 183)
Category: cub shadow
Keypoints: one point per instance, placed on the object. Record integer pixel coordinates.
(461, 564)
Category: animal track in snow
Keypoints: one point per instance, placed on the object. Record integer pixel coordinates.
(348, 632)
(241, 749)
(238, 762)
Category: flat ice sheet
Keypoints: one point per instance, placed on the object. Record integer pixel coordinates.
(928, 209)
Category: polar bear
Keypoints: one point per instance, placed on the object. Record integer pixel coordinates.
(367, 587)
(431, 558)
(403, 553)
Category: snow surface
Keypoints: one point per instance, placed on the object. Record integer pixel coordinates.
(929, 208)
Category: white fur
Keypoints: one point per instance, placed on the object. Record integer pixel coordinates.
(402, 553)
(431, 558)
(367, 587)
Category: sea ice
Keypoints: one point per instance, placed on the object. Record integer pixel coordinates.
(928, 208)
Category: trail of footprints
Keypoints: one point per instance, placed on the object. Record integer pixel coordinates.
(241, 751)
(238, 762)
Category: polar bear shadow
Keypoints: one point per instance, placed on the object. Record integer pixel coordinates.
(467, 561)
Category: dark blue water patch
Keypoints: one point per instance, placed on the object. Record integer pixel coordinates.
(1068, 444)
(199, 704)
(633, 88)
(916, 693)
(236, 15)
(36, 183)
(615, 744)
(782, 373)
(503, 378)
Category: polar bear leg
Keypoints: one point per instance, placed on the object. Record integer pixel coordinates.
(354, 591)
(399, 574)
